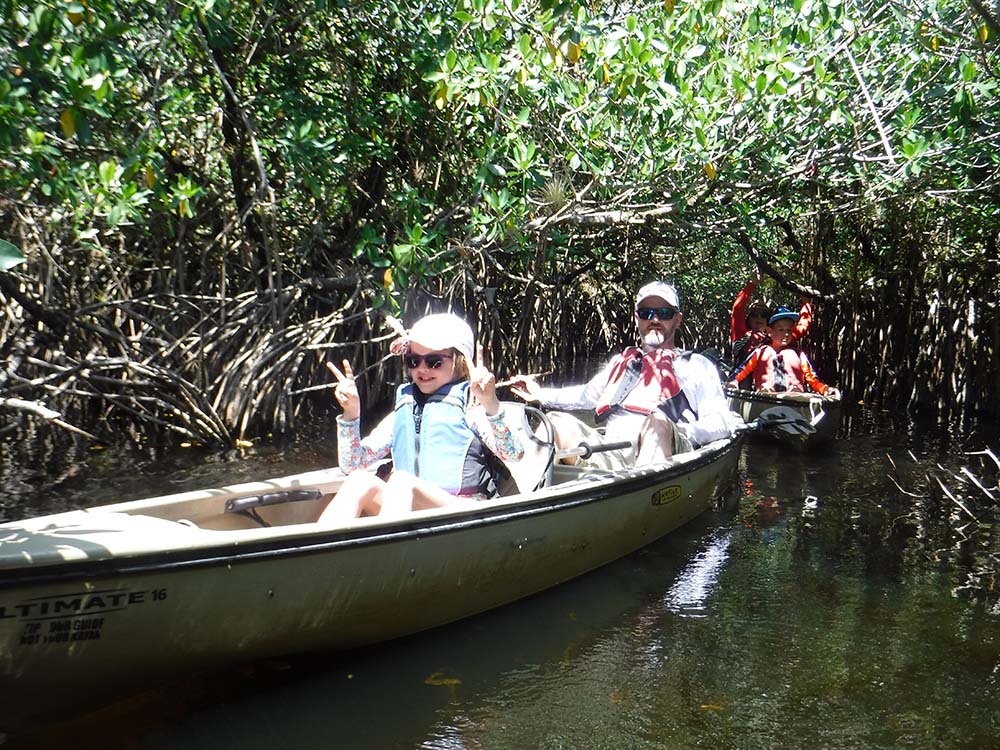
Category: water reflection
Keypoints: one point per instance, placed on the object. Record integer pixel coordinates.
(687, 596)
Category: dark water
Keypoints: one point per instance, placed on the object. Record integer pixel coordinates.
(827, 609)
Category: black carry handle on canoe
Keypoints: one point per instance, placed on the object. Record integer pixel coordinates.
(245, 506)
(240, 504)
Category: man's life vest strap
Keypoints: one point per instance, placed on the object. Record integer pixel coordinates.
(632, 371)
(630, 379)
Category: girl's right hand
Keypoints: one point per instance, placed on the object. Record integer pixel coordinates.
(346, 390)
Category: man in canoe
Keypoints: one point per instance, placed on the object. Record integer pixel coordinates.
(661, 399)
(778, 366)
(445, 424)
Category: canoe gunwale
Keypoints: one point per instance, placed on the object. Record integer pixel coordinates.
(232, 551)
(779, 399)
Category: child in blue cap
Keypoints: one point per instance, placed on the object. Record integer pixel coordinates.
(748, 323)
(779, 366)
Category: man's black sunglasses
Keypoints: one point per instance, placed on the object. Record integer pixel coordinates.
(433, 361)
(663, 313)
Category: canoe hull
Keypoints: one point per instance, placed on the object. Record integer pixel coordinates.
(810, 406)
(78, 634)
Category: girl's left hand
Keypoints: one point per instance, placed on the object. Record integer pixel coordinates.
(346, 390)
(484, 388)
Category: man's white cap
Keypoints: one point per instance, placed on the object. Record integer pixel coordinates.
(658, 289)
(444, 331)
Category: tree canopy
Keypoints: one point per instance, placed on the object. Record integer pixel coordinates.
(215, 196)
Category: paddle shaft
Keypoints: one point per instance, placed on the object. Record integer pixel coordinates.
(508, 381)
(586, 450)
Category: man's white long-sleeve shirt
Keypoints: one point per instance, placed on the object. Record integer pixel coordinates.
(709, 417)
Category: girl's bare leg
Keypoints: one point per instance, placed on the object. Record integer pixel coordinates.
(405, 492)
(361, 492)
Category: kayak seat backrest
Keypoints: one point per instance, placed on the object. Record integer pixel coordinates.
(534, 470)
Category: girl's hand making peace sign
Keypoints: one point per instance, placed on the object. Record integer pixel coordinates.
(346, 390)
(484, 389)
(483, 384)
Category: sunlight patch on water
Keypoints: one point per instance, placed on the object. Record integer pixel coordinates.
(697, 579)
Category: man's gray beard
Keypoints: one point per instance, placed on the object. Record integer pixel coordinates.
(654, 339)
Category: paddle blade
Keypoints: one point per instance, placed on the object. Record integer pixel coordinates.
(784, 419)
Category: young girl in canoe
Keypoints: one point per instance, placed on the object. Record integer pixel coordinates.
(439, 441)
(779, 366)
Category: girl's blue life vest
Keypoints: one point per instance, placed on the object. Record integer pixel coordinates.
(432, 440)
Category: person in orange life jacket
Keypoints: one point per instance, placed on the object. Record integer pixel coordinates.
(663, 400)
(748, 325)
(437, 437)
(779, 366)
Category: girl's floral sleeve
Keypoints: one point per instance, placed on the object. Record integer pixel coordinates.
(355, 453)
(498, 438)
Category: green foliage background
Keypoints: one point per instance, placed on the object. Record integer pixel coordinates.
(216, 196)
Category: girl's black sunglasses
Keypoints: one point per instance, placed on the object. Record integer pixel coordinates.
(663, 313)
(433, 361)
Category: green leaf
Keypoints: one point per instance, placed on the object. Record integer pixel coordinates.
(95, 81)
(524, 45)
(968, 68)
(10, 256)
(107, 171)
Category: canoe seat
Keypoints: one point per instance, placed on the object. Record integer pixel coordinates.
(534, 430)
